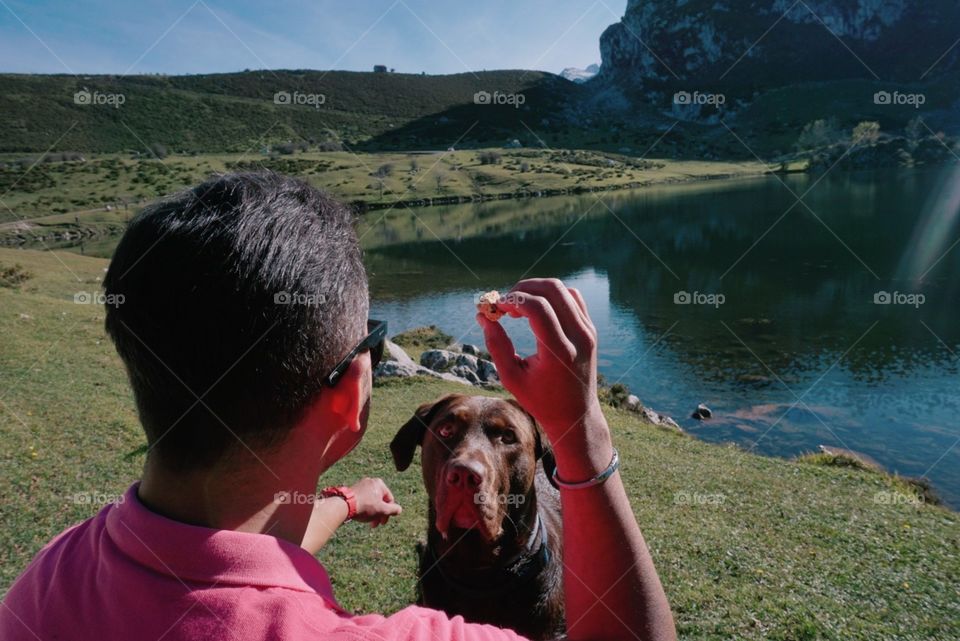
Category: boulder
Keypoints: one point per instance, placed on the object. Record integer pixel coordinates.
(467, 360)
(387, 369)
(633, 403)
(465, 373)
(487, 371)
(438, 359)
(651, 416)
(393, 352)
(702, 412)
(467, 348)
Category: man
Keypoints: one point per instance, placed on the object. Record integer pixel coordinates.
(245, 337)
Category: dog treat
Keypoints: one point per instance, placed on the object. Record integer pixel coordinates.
(487, 305)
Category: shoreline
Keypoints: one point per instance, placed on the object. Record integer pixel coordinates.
(24, 234)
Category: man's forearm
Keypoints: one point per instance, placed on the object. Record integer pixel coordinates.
(328, 514)
(612, 590)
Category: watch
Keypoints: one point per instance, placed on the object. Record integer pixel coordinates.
(346, 494)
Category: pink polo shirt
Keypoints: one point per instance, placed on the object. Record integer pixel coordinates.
(129, 573)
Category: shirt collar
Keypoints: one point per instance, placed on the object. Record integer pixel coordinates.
(197, 554)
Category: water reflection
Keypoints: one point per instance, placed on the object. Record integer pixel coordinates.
(798, 354)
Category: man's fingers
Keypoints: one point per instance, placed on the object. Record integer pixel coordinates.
(500, 347)
(391, 509)
(543, 321)
(387, 494)
(582, 306)
(563, 305)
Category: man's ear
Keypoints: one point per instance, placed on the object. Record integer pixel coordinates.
(410, 435)
(347, 398)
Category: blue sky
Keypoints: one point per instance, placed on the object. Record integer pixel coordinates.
(196, 36)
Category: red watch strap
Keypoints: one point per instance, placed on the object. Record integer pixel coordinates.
(346, 494)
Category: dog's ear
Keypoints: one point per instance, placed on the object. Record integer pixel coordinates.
(410, 435)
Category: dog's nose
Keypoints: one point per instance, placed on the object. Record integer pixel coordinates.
(466, 475)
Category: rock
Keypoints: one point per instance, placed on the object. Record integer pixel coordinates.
(394, 352)
(701, 45)
(465, 373)
(466, 360)
(633, 403)
(470, 349)
(580, 76)
(702, 413)
(487, 371)
(454, 347)
(438, 359)
(669, 422)
(650, 415)
(387, 369)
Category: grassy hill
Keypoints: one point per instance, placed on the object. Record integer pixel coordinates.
(748, 547)
(237, 112)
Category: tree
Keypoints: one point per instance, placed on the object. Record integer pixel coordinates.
(384, 170)
(866, 133)
(379, 184)
(817, 134)
(915, 132)
(440, 177)
(490, 158)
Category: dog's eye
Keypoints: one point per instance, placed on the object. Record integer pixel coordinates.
(507, 437)
(445, 430)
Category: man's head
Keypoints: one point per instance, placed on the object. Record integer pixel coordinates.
(240, 295)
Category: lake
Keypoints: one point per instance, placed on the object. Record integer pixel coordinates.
(828, 321)
(782, 338)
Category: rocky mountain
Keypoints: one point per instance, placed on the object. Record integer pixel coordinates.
(580, 76)
(749, 45)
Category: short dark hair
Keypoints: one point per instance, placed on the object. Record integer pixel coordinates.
(244, 291)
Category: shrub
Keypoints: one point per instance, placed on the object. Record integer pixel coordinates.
(490, 158)
(13, 276)
(819, 133)
(866, 133)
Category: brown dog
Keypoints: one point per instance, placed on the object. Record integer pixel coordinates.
(493, 551)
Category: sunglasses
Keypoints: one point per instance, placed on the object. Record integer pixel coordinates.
(373, 343)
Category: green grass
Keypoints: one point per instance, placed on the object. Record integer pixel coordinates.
(235, 112)
(747, 547)
(96, 197)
